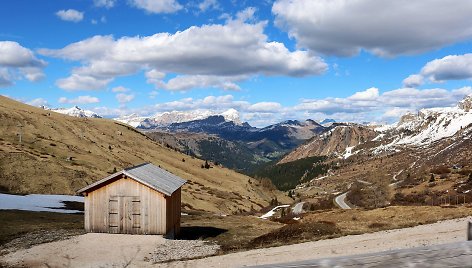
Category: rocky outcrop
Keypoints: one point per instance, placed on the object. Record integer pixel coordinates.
(337, 141)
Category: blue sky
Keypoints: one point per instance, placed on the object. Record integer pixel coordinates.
(270, 60)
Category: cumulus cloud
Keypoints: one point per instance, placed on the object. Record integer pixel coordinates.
(17, 62)
(186, 82)
(70, 15)
(5, 78)
(382, 27)
(367, 95)
(79, 100)
(38, 102)
(216, 55)
(414, 80)
(215, 103)
(452, 67)
(265, 107)
(124, 98)
(104, 3)
(403, 99)
(82, 82)
(157, 6)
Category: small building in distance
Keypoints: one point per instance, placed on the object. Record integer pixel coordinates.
(143, 199)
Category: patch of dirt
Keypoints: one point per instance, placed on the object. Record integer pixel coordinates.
(296, 232)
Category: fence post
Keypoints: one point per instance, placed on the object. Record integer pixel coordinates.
(469, 231)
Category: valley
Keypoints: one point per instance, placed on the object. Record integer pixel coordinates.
(310, 181)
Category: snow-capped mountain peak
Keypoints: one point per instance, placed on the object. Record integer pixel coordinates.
(167, 118)
(75, 111)
(232, 115)
(428, 126)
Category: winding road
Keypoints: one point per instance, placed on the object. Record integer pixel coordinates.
(341, 201)
(298, 208)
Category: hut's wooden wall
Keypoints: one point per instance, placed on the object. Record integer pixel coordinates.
(126, 206)
(174, 212)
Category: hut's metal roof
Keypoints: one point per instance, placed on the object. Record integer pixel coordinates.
(147, 174)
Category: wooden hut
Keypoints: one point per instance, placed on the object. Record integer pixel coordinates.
(144, 199)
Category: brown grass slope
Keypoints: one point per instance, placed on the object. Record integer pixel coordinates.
(333, 142)
(60, 154)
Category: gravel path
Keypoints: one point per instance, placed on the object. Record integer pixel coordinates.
(109, 250)
(179, 249)
(105, 250)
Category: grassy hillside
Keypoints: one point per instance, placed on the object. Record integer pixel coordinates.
(286, 176)
(230, 154)
(60, 154)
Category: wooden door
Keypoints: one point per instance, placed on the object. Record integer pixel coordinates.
(124, 215)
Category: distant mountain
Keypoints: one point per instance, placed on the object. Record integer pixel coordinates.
(230, 154)
(167, 118)
(269, 142)
(339, 141)
(327, 122)
(426, 127)
(75, 111)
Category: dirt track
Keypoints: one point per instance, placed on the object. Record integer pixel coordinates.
(93, 250)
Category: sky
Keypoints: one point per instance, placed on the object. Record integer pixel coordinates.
(271, 60)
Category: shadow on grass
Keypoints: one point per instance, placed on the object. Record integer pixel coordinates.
(199, 232)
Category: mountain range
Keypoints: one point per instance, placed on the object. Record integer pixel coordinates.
(224, 139)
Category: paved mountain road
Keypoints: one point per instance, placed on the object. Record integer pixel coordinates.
(298, 208)
(341, 201)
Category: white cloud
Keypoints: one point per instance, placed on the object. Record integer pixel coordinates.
(17, 62)
(82, 82)
(124, 98)
(265, 107)
(414, 80)
(382, 27)
(120, 89)
(5, 78)
(154, 76)
(157, 6)
(403, 98)
(208, 4)
(367, 95)
(452, 67)
(215, 103)
(70, 15)
(38, 102)
(79, 100)
(187, 82)
(104, 3)
(207, 56)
